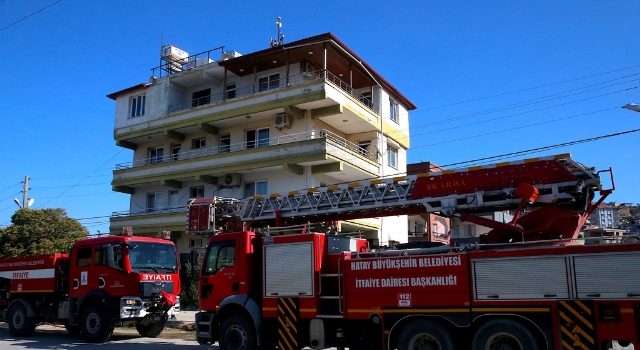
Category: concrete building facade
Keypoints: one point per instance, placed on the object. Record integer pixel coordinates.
(306, 114)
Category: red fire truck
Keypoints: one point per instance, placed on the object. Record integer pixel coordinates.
(530, 284)
(103, 282)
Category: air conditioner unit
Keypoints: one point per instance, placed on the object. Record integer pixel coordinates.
(231, 180)
(282, 120)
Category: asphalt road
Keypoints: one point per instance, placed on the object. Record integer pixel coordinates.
(48, 337)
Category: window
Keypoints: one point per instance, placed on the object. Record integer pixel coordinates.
(220, 255)
(196, 191)
(362, 147)
(392, 157)
(195, 242)
(202, 97)
(225, 143)
(173, 198)
(366, 98)
(153, 201)
(394, 111)
(84, 257)
(230, 91)
(198, 143)
(255, 188)
(155, 155)
(175, 150)
(269, 82)
(257, 138)
(137, 106)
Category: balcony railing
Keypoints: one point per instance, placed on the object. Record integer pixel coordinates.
(274, 84)
(331, 137)
(156, 210)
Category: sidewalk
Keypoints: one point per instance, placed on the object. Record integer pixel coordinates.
(185, 316)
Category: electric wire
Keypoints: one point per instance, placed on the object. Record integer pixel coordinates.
(23, 18)
(528, 89)
(78, 183)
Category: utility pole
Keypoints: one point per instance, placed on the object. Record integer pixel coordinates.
(25, 192)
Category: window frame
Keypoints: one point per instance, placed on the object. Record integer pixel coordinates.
(394, 111)
(228, 91)
(157, 196)
(257, 142)
(226, 147)
(394, 151)
(197, 190)
(271, 82)
(137, 106)
(155, 159)
(202, 99)
(200, 142)
(254, 189)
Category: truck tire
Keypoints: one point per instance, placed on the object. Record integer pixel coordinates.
(151, 330)
(96, 324)
(504, 334)
(20, 325)
(237, 333)
(424, 335)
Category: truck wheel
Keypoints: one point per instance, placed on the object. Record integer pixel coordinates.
(237, 333)
(424, 335)
(504, 334)
(20, 325)
(96, 324)
(151, 330)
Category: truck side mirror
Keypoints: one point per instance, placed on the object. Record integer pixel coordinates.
(108, 254)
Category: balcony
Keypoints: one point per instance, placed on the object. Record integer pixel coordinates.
(273, 85)
(330, 137)
(321, 150)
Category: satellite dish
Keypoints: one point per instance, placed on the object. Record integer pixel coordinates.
(30, 202)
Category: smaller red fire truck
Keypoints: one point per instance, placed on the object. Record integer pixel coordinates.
(529, 285)
(103, 282)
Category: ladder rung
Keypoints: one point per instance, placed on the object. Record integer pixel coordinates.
(204, 323)
(330, 297)
(204, 335)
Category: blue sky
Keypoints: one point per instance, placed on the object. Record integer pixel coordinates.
(574, 63)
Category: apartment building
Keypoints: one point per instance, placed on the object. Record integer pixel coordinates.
(605, 216)
(306, 114)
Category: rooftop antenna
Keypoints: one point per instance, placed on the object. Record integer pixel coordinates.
(279, 40)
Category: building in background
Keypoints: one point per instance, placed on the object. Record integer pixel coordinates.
(306, 114)
(427, 226)
(605, 216)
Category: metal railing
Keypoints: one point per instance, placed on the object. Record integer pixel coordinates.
(261, 87)
(184, 64)
(331, 137)
(158, 210)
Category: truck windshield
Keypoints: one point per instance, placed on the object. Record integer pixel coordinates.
(148, 257)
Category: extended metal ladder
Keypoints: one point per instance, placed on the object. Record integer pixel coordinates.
(399, 195)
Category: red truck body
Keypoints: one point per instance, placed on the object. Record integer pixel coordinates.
(532, 283)
(103, 282)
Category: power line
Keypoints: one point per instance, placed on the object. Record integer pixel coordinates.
(527, 89)
(545, 148)
(78, 183)
(23, 18)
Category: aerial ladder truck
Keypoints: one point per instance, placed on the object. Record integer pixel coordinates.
(529, 284)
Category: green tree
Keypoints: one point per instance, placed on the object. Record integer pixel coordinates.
(40, 231)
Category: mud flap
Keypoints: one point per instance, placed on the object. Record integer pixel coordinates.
(288, 316)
